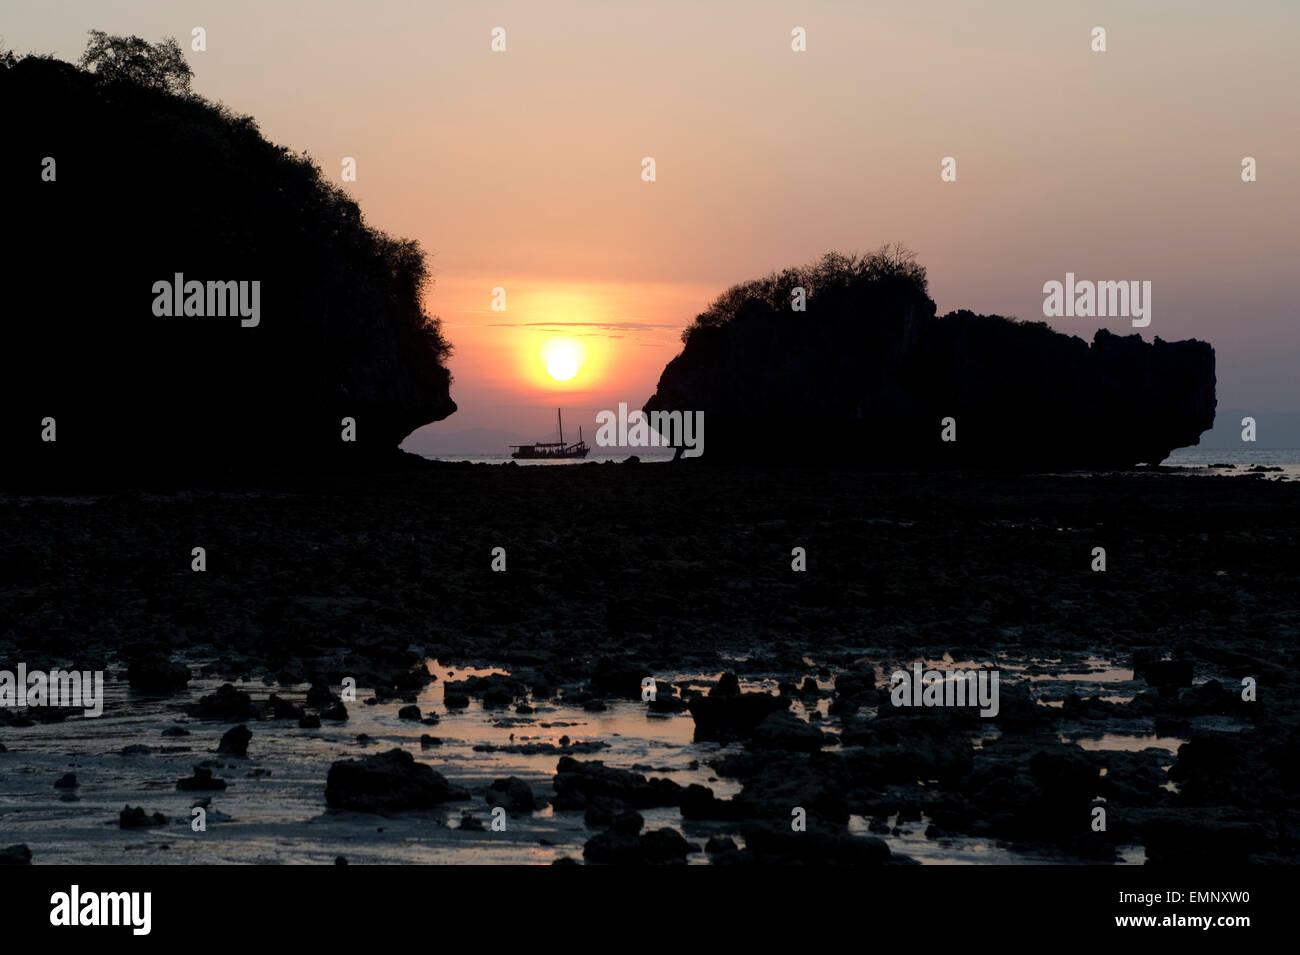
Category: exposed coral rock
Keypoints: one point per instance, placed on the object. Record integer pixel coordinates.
(387, 782)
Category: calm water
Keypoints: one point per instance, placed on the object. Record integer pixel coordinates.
(1286, 458)
(598, 455)
(274, 811)
(1201, 458)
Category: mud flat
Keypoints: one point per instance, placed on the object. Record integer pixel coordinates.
(1120, 690)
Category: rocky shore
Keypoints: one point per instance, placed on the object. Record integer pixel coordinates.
(349, 661)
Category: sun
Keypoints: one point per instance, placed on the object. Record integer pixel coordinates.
(562, 358)
(562, 367)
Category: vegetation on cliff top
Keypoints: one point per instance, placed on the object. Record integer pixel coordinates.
(892, 263)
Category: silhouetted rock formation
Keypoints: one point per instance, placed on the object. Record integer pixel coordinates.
(867, 374)
(149, 183)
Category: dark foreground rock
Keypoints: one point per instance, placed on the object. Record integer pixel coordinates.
(1164, 673)
(281, 709)
(134, 817)
(201, 781)
(784, 730)
(624, 844)
(16, 855)
(578, 784)
(494, 690)
(157, 674)
(728, 714)
(820, 844)
(1204, 839)
(387, 782)
(227, 703)
(512, 793)
(235, 742)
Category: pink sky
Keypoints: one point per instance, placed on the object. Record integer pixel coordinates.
(522, 169)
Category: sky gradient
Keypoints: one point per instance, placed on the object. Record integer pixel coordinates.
(522, 169)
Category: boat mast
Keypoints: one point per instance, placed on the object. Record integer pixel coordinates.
(561, 421)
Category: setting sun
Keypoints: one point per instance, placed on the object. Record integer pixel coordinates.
(562, 358)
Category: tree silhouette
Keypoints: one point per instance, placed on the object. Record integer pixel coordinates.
(891, 263)
(159, 66)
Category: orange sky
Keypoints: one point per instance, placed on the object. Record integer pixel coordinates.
(625, 332)
(522, 169)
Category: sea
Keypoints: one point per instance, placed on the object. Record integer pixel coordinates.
(598, 455)
(1203, 459)
(1199, 460)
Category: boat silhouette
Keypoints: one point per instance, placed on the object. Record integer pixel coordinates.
(552, 449)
